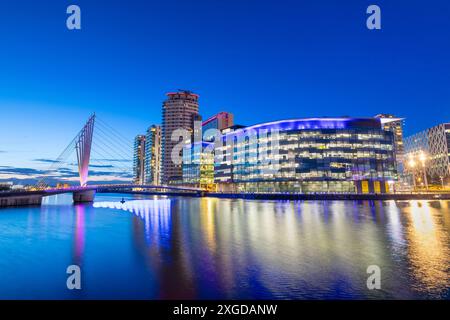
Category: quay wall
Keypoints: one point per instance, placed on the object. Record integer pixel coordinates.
(383, 196)
(17, 201)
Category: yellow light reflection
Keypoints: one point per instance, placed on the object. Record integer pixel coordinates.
(207, 221)
(428, 251)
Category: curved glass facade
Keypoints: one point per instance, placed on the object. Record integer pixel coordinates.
(307, 155)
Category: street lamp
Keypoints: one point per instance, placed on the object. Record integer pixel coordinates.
(412, 165)
(423, 159)
(442, 181)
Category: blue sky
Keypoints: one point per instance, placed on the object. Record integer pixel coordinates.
(262, 60)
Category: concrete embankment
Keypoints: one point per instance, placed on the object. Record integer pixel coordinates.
(309, 196)
(35, 198)
(20, 200)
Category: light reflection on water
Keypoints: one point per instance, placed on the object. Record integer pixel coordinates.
(188, 248)
(429, 248)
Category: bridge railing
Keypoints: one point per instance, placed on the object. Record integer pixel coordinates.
(134, 186)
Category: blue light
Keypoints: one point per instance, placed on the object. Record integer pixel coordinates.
(314, 124)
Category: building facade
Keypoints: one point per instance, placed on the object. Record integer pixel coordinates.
(435, 143)
(394, 124)
(139, 160)
(179, 111)
(153, 156)
(220, 121)
(307, 155)
(198, 165)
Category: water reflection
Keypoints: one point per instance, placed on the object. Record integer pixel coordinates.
(429, 251)
(79, 235)
(189, 248)
(262, 249)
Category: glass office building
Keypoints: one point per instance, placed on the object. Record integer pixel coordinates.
(152, 161)
(198, 165)
(307, 155)
(435, 143)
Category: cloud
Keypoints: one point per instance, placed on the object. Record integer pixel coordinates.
(64, 174)
(2, 151)
(19, 181)
(113, 160)
(101, 166)
(67, 174)
(45, 160)
(30, 173)
(110, 173)
(53, 182)
(21, 171)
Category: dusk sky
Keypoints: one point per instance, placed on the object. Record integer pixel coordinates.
(261, 60)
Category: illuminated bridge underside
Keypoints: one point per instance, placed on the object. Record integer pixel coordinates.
(125, 187)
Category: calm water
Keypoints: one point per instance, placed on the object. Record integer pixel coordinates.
(189, 248)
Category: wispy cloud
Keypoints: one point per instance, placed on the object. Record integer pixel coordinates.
(2, 151)
(64, 174)
(111, 173)
(101, 166)
(45, 160)
(21, 171)
(113, 160)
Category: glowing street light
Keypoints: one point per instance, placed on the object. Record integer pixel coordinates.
(423, 159)
(414, 161)
(412, 165)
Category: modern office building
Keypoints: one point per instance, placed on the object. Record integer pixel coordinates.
(198, 156)
(179, 111)
(307, 155)
(394, 124)
(153, 156)
(139, 160)
(198, 165)
(435, 144)
(220, 121)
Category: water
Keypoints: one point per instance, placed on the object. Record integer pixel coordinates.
(207, 248)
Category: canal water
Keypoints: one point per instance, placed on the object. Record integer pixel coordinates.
(206, 248)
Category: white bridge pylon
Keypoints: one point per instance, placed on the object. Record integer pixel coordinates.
(83, 148)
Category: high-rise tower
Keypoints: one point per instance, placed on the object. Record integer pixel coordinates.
(138, 159)
(179, 111)
(153, 156)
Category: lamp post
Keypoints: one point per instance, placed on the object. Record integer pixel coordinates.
(412, 165)
(423, 159)
(442, 181)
